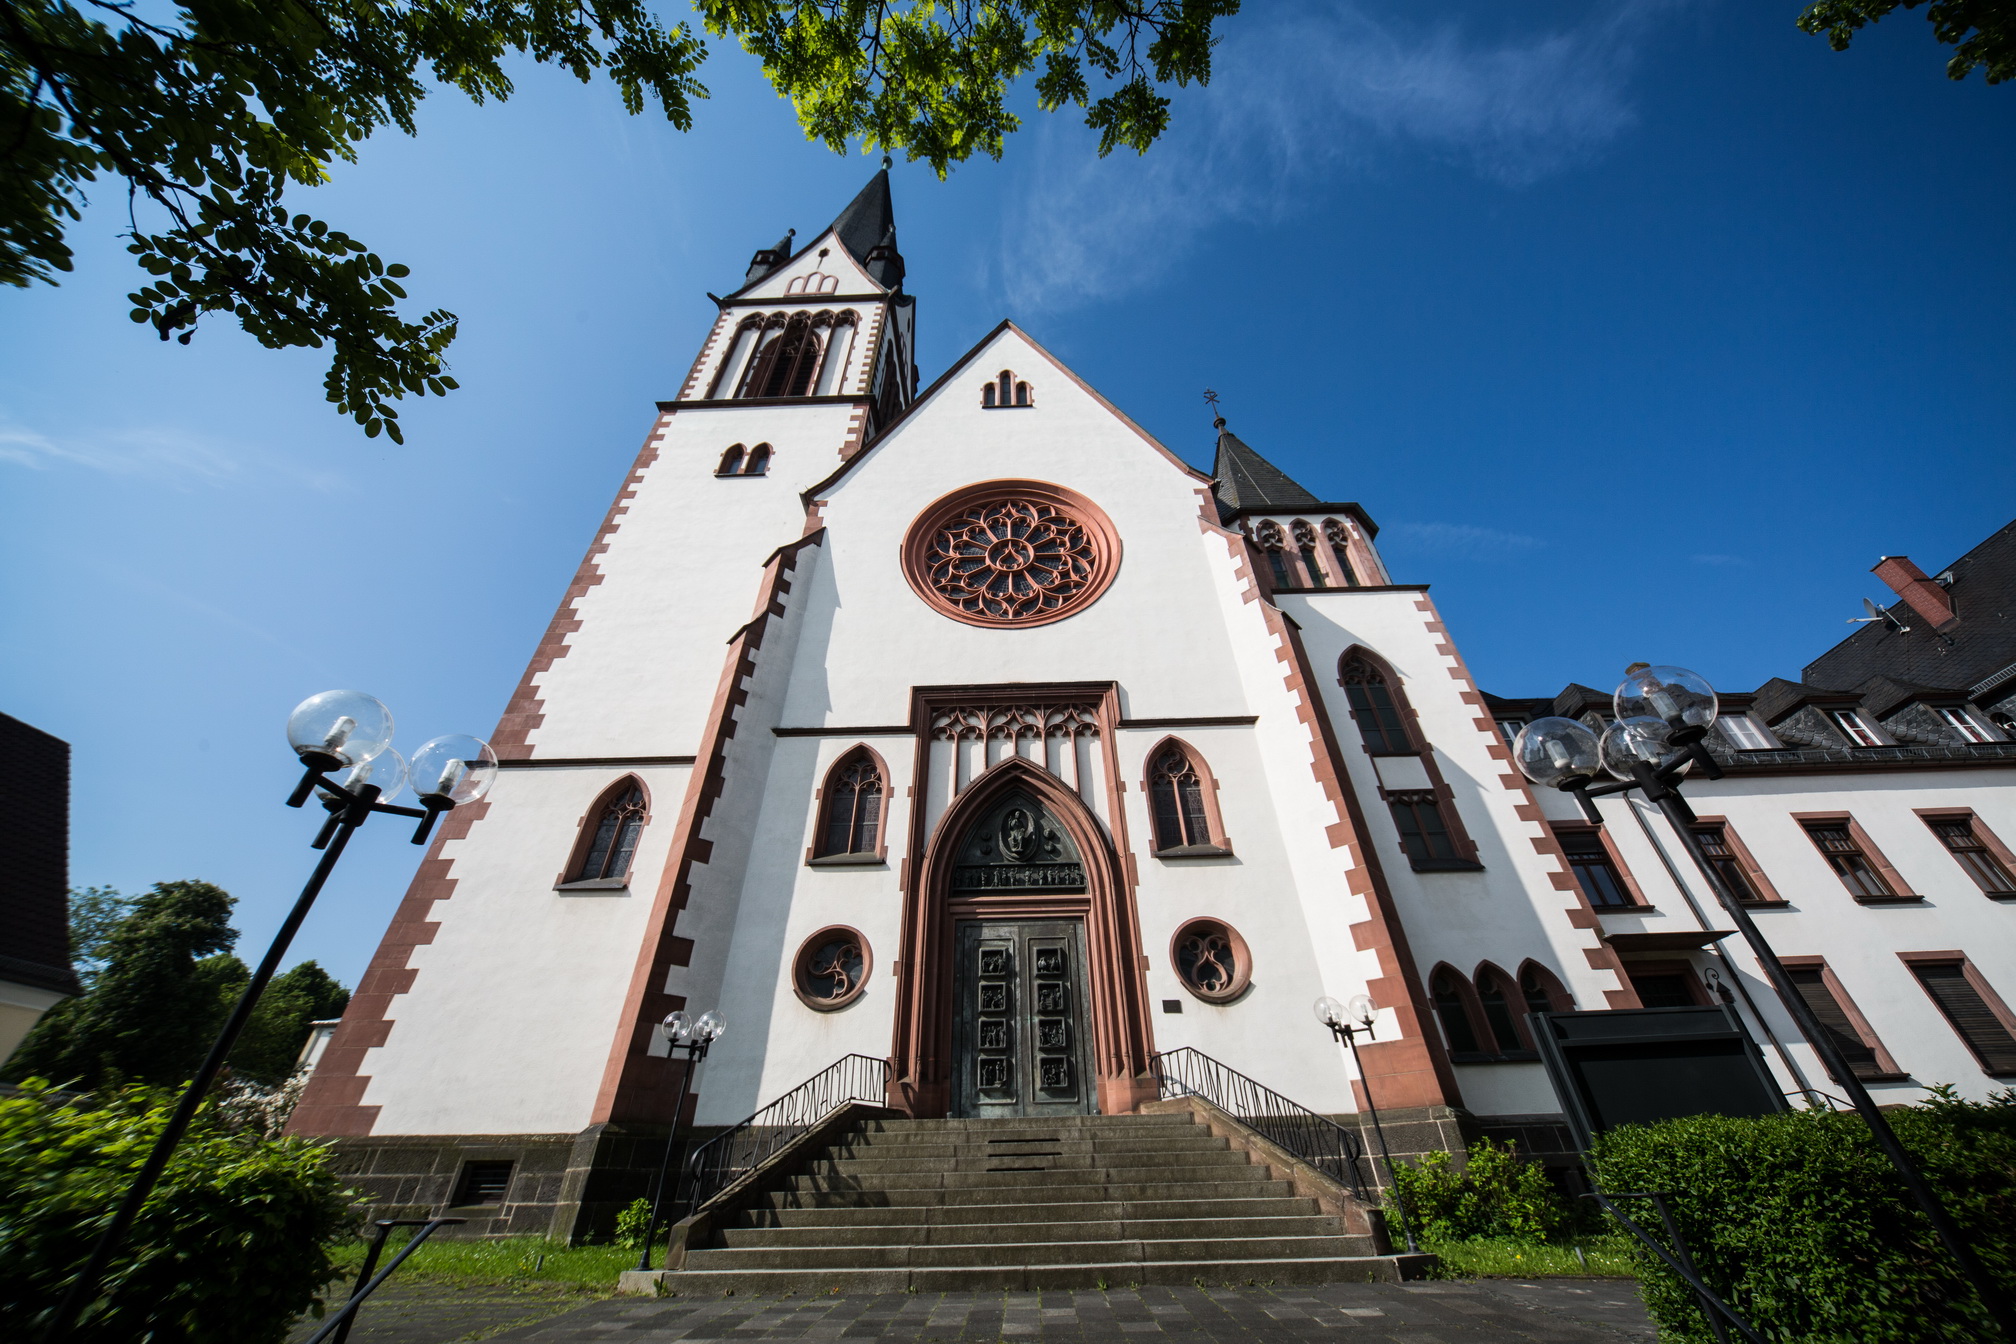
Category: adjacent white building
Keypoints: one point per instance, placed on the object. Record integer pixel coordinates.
(970, 728)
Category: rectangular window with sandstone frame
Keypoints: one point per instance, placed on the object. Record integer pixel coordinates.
(1974, 1011)
(1974, 848)
(1601, 879)
(1839, 844)
(1732, 862)
(1839, 1018)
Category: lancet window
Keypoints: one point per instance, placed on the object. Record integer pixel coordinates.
(1451, 993)
(1305, 542)
(850, 820)
(731, 461)
(1340, 551)
(794, 355)
(1274, 545)
(759, 461)
(1376, 709)
(1182, 797)
(612, 833)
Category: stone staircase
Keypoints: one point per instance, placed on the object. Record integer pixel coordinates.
(977, 1205)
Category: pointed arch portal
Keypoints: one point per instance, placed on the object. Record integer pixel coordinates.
(1020, 880)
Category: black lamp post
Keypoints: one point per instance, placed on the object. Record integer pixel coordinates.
(1345, 1022)
(344, 731)
(1663, 716)
(681, 1033)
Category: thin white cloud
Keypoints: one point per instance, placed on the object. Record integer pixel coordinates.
(1301, 96)
(1721, 561)
(155, 453)
(1460, 539)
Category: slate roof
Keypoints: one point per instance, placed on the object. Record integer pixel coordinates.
(869, 224)
(1983, 643)
(1245, 480)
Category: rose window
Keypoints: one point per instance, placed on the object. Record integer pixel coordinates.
(1011, 553)
(831, 968)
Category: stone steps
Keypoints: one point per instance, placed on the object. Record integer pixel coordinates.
(986, 1205)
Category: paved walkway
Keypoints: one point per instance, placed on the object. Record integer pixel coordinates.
(1496, 1311)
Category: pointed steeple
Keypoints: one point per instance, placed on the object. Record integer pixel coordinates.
(1246, 481)
(867, 229)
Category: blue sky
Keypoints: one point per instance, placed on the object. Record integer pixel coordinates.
(1642, 329)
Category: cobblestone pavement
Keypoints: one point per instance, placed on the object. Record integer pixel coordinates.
(1552, 1311)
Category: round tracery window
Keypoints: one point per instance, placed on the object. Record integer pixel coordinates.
(831, 968)
(1211, 960)
(1014, 553)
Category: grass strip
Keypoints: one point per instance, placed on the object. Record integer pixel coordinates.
(1506, 1258)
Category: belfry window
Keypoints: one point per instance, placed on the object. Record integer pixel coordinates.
(1274, 546)
(1305, 542)
(612, 842)
(1340, 551)
(851, 808)
(785, 364)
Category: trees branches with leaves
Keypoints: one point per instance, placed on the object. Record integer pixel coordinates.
(1982, 32)
(207, 119)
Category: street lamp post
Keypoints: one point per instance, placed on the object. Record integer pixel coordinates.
(1663, 717)
(681, 1033)
(345, 731)
(1345, 1022)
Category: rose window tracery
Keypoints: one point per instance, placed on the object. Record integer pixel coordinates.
(1011, 553)
(831, 968)
(1211, 960)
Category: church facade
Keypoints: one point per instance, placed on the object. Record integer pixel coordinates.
(964, 726)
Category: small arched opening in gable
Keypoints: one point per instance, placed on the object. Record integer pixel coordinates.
(1005, 391)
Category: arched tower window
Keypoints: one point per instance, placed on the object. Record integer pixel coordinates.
(1274, 545)
(1305, 542)
(1451, 993)
(610, 835)
(786, 363)
(1340, 551)
(1376, 709)
(1182, 797)
(759, 460)
(731, 461)
(850, 808)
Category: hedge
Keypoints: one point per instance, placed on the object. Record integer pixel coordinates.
(1801, 1224)
(230, 1249)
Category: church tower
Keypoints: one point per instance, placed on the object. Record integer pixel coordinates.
(965, 728)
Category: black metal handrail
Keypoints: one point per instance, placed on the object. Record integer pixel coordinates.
(336, 1329)
(1321, 1142)
(719, 1162)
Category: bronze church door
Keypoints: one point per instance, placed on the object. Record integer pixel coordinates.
(1018, 1031)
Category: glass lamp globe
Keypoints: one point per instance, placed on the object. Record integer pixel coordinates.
(387, 770)
(1363, 1011)
(338, 728)
(1551, 750)
(711, 1025)
(1673, 695)
(1329, 1012)
(677, 1026)
(1631, 742)
(456, 768)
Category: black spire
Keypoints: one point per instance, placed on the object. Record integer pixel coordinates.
(867, 229)
(1247, 481)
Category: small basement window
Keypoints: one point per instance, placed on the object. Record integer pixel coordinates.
(483, 1183)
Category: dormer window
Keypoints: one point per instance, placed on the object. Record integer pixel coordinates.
(1963, 723)
(1857, 732)
(1743, 733)
(1005, 392)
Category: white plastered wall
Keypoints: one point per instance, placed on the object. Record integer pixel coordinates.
(1820, 918)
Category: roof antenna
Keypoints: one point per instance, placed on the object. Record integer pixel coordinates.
(1217, 419)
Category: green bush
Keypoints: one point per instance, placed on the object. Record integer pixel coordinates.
(1800, 1223)
(633, 1223)
(1497, 1193)
(229, 1250)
